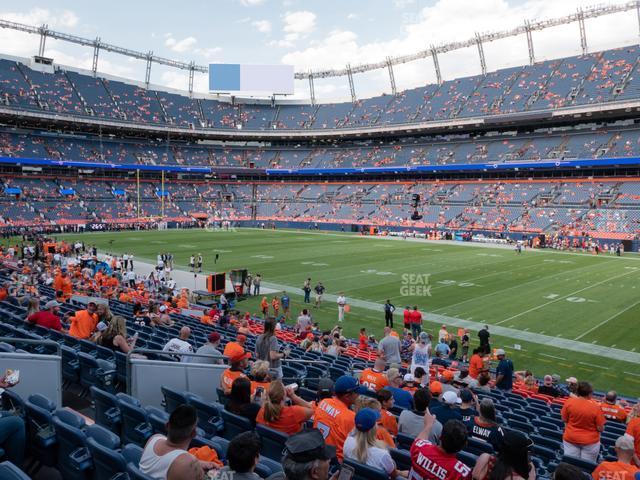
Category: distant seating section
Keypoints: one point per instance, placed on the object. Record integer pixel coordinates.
(594, 78)
(605, 209)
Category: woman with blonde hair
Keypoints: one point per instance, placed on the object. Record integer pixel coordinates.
(115, 336)
(260, 376)
(277, 415)
(33, 306)
(362, 445)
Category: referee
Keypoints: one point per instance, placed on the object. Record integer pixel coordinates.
(389, 308)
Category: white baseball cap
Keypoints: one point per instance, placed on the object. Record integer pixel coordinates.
(499, 352)
(451, 398)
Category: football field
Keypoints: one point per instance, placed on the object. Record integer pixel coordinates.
(566, 313)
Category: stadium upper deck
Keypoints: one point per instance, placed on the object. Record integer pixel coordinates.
(586, 80)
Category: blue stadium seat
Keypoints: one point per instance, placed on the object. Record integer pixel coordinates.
(402, 458)
(272, 442)
(8, 471)
(106, 462)
(42, 438)
(96, 373)
(267, 467)
(158, 419)
(107, 411)
(234, 424)
(209, 418)
(173, 398)
(469, 459)
(477, 446)
(135, 423)
(404, 441)
(74, 458)
(70, 365)
(365, 472)
(581, 463)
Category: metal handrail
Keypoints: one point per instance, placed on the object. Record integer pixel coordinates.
(32, 341)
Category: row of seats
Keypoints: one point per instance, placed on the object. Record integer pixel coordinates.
(589, 79)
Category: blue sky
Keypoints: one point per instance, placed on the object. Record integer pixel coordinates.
(307, 34)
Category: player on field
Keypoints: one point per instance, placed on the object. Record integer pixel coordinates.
(342, 302)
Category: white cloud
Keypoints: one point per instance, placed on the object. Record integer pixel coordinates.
(301, 22)
(403, 3)
(180, 46)
(448, 21)
(251, 3)
(263, 26)
(211, 53)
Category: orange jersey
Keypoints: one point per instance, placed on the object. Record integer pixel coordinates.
(290, 422)
(227, 378)
(83, 324)
(256, 385)
(373, 380)
(614, 412)
(476, 365)
(63, 284)
(583, 418)
(614, 470)
(275, 304)
(334, 420)
(384, 436)
(633, 429)
(388, 420)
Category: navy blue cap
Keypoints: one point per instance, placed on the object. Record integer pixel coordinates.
(366, 419)
(346, 384)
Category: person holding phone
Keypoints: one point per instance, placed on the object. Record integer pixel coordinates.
(12, 428)
(279, 416)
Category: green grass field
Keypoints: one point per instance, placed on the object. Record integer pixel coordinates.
(572, 314)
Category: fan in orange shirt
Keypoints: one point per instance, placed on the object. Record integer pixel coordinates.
(62, 283)
(476, 364)
(374, 378)
(623, 468)
(275, 414)
(611, 409)
(584, 421)
(633, 430)
(382, 433)
(387, 419)
(238, 359)
(264, 306)
(275, 304)
(83, 322)
(333, 417)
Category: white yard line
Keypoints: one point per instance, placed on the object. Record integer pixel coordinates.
(552, 356)
(563, 297)
(606, 321)
(593, 365)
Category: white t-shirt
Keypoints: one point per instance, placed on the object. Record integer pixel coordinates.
(342, 301)
(376, 457)
(420, 357)
(175, 345)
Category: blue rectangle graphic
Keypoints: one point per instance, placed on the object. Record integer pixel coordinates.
(224, 77)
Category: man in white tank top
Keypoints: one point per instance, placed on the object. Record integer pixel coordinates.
(167, 458)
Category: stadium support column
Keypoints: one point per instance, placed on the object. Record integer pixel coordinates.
(352, 87)
(436, 64)
(483, 64)
(583, 32)
(96, 53)
(44, 29)
(532, 55)
(638, 13)
(192, 69)
(138, 193)
(147, 75)
(392, 78)
(312, 90)
(162, 196)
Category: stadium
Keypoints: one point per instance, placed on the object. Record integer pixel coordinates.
(230, 276)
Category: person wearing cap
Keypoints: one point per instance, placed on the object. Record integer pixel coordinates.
(623, 468)
(307, 457)
(446, 378)
(210, 348)
(333, 416)
(389, 308)
(401, 398)
(584, 421)
(382, 433)
(49, 317)
(238, 360)
(611, 409)
(410, 422)
(485, 426)
(571, 387)
(504, 372)
(389, 347)
(438, 462)
(484, 336)
(409, 384)
(511, 462)
(463, 379)
(362, 445)
(163, 317)
(448, 409)
(421, 352)
(469, 405)
(83, 322)
(274, 413)
(374, 378)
